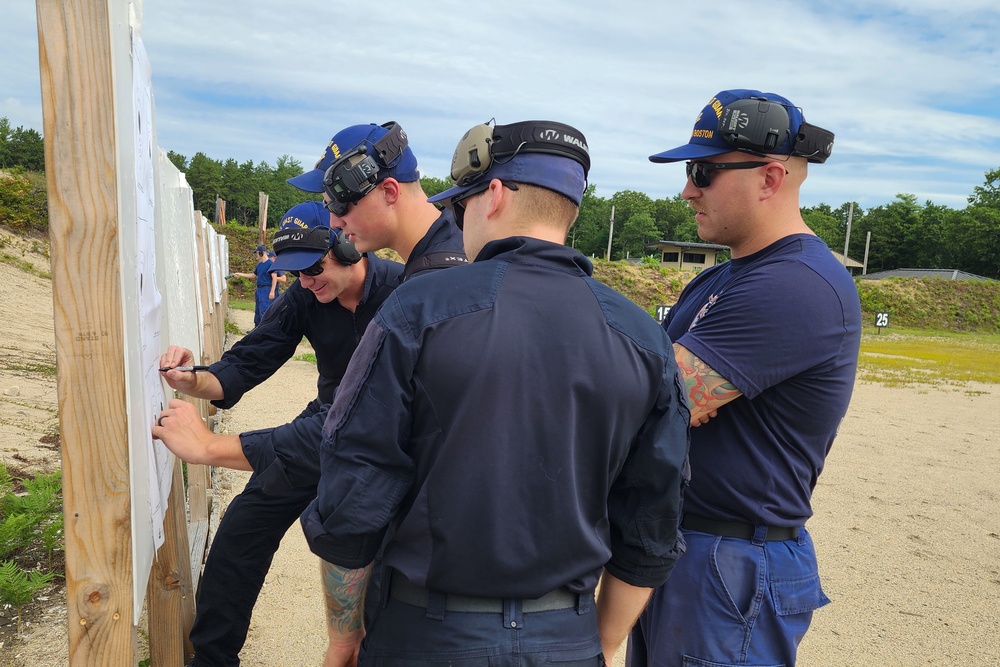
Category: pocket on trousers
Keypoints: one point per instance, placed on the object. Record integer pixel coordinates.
(698, 662)
(798, 595)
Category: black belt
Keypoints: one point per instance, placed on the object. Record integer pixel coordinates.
(403, 590)
(743, 531)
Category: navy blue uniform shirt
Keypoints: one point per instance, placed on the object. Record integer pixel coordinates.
(331, 329)
(288, 456)
(783, 326)
(521, 423)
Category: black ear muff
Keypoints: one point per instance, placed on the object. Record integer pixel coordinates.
(760, 126)
(755, 125)
(343, 250)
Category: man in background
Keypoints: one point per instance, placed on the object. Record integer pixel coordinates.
(264, 283)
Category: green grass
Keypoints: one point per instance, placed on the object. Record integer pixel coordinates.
(308, 356)
(241, 304)
(34, 369)
(916, 357)
(25, 266)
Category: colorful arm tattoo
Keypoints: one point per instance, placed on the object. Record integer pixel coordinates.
(707, 391)
(345, 597)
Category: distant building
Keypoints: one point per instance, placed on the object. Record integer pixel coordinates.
(688, 256)
(850, 264)
(943, 274)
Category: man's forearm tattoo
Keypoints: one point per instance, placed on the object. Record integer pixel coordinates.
(706, 389)
(345, 596)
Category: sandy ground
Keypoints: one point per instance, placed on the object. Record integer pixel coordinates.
(907, 523)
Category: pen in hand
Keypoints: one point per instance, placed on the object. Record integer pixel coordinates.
(183, 368)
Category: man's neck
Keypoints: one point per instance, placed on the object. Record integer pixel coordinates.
(412, 225)
(355, 290)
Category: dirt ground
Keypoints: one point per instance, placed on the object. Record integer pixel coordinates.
(907, 523)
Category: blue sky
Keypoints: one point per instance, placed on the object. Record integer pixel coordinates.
(911, 89)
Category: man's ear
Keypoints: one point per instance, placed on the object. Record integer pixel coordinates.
(390, 188)
(499, 197)
(774, 176)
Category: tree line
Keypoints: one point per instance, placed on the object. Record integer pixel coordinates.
(904, 232)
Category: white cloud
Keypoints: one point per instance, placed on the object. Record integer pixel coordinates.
(910, 88)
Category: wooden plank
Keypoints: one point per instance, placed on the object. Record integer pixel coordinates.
(170, 593)
(75, 61)
(198, 539)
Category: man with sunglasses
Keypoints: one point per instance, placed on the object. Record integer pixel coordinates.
(337, 292)
(516, 425)
(767, 345)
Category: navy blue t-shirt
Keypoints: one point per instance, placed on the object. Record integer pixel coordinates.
(783, 326)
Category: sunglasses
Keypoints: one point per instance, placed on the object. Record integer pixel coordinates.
(700, 172)
(312, 271)
(458, 204)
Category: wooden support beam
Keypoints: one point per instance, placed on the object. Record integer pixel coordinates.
(75, 59)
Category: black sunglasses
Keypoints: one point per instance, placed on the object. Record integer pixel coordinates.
(458, 205)
(313, 270)
(339, 209)
(700, 172)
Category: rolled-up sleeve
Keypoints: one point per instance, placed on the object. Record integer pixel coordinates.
(365, 469)
(645, 501)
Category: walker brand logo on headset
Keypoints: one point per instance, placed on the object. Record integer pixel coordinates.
(317, 239)
(760, 126)
(358, 170)
(484, 144)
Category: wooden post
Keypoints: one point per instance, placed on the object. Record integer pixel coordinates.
(220, 210)
(198, 476)
(78, 98)
(170, 592)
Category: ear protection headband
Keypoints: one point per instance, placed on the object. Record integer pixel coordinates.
(759, 126)
(357, 172)
(317, 238)
(484, 144)
(343, 250)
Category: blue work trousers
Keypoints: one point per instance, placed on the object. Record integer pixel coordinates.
(262, 299)
(729, 602)
(244, 545)
(403, 635)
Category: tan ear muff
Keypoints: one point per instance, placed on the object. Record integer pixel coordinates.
(472, 156)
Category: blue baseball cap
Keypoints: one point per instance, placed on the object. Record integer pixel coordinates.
(261, 248)
(296, 245)
(552, 172)
(706, 138)
(403, 170)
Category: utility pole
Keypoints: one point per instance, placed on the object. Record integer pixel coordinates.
(611, 231)
(847, 237)
(262, 209)
(864, 268)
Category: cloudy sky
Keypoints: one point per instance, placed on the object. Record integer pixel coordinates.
(911, 89)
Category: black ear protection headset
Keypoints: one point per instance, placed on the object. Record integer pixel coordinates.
(317, 238)
(357, 172)
(759, 126)
(483, 144)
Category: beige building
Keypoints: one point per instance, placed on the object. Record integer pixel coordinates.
(688, 256)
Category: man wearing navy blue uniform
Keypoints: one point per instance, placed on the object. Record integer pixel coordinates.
(262, 280)
(336, 295)
(519, 425)
(385, 187)
(767, 344)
